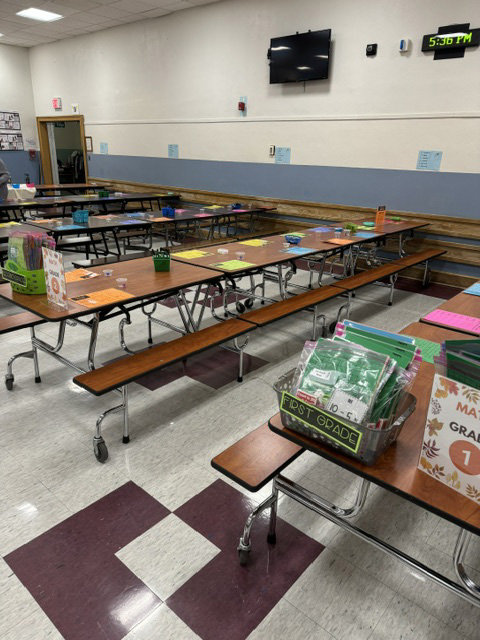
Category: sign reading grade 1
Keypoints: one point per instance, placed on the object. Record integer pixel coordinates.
(332, 428)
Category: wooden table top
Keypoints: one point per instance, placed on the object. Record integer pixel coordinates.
(465, 304)
(142, 282)
(66, 226)
(81, 186)
(5, 231)
(55, 201)
(271, 253)
(396, 470)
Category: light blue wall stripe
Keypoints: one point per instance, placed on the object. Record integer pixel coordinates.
(18, 164)
(451, 194)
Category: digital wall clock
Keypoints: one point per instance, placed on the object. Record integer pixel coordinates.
(455, 39)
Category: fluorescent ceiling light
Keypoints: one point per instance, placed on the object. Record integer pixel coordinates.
(303, 68)
(280, 48)
(1, 35)
(39, 14)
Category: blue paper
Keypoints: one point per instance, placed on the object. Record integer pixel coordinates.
(365, 234)
(322, 229)
(138, 214)
(282, 155)
(104, 147)
(299, 250)
(429, 160)
(474, 290)
(173, 150)
(65, 227)
(129, 222)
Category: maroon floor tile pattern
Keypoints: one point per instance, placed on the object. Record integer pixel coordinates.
(73, 574)
(433, 289)
(224, 599)
(218, 367)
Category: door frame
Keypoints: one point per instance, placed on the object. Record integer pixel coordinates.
(45, 157)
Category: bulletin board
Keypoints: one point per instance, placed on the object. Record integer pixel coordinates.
(11, 138)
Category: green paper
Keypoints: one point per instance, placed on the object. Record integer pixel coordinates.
(295, 233)
(429, 349)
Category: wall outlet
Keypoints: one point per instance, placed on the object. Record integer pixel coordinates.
(272, 150)
(75, 108)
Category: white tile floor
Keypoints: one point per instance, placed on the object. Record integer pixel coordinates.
(48, 471)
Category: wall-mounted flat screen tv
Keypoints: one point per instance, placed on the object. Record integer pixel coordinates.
(301, 57)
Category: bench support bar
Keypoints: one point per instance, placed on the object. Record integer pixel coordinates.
(469, 592)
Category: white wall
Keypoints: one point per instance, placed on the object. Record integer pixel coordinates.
(177, 79)
(16, 92)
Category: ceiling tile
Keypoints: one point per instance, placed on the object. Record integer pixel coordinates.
(92, 18)
(80, 5)
(132, 6)
(178, 6)
(9, 27)
(109, 12)
(154, 13)
(57, 8)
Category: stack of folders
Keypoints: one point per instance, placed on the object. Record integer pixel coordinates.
(459, 360)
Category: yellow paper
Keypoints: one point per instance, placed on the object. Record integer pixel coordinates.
(214, 206)
(256, 242)
(100, 298)
(233, 265)
(190, 255)
(9, 224)
(79, 274)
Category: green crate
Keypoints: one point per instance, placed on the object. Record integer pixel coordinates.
(24, 281)
(103, 194)
(161, 260)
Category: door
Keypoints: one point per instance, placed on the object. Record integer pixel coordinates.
(62, 150)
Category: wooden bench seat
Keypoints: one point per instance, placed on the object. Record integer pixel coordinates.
(284, 308)
(22, 320)
(257, 458)
(128, 369)
(385, 270)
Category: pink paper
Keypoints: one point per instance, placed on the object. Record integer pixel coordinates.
(180, 210)
(202, 215)
(239, 210)
(455, 320)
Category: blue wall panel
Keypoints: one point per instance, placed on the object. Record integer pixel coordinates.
(18, 164)
(451, 194)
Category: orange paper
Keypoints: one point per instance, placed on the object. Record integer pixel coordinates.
(160, 219)
(380, 217)
(79, 274)
(339, 241)
(101, 298)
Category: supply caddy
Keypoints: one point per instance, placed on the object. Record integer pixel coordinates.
(161, 260)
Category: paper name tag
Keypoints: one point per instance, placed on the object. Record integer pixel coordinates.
(345, 405)
(326, 377)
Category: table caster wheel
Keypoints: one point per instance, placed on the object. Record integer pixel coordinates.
(100, 450)
(243, 556)
(240, 307)
(331, 328)
(9, 382)
(249, 303)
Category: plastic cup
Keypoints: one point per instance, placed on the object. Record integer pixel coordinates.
(122, 283)
(107, 272)
(240, 254)
(222, 252)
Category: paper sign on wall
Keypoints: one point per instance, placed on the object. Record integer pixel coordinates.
(173, 150)
(104, 147)
(429, 160)
(282, 155)
(451, 446)
(55, 278)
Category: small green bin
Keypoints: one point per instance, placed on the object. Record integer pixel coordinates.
(24, 281)
(161, 260)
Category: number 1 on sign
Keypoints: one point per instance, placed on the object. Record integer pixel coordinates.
(467, 457)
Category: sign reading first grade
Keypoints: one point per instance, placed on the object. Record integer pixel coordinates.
(330, 427)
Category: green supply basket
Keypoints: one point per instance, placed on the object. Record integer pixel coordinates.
(161, 260)
(103, 194)
(24, 281)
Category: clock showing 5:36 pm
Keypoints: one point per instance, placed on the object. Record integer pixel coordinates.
(455, 39)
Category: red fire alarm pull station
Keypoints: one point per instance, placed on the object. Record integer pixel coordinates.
(241, 106)
(32, 154)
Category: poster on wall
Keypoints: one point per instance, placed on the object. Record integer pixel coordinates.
(10, 120)
(11, 141)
